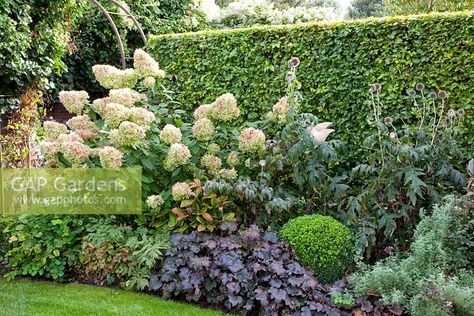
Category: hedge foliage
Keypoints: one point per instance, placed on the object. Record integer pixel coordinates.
(338, 61)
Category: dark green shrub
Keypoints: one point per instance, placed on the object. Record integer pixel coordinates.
(34, 41)
(321, 243)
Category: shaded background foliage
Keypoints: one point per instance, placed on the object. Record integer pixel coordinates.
(33, 42)
(338, 61)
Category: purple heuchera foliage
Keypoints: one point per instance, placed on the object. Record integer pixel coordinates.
(249, 273)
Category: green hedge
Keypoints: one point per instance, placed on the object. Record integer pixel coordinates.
(338, 61)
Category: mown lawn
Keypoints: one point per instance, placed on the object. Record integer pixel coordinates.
(23, 297)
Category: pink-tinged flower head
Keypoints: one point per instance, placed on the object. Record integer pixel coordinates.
(203, 129)
(125, 96)
(53, 129)
(178, 155)
(279, 110)
(111, 77)
(203, 111)
(84, 127)
(74, 101)
(71, 137)
(211, 163)
(181, 191)
(225, 108)
(110, 157)
(320, 131)
(115, 114)
(170, 134)
(145, 65)
(75, 152)
(49, 149)
(228, 174)
(252, 140)
(233, 159)
(141, 116)
(98, 105)
(127, 134)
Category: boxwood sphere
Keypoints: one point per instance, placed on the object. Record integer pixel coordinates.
(320, 243)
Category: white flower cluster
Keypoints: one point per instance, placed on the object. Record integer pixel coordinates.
(53, 129)
(211, 163)
(110, 157)
(84, 127)
(252, 141)
(225, 108)
(170, 134)
(154, 201)
(127, 134)
(202, 111)
(126, 96)
(178, 155)
(203, 129)
(74, 101)
(146, 66)
(111, 77)
(279, 110)
(181, 191)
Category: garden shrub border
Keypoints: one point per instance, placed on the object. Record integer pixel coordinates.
(338, 61)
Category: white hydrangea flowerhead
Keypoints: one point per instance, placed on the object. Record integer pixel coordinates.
(71, 137)
(141, 116)
(233, 158)
(125, 96)
(111, 77)
(252, 141)
(149, 82)
(170, 134)
(181, 191)
(53, 129)
(280, 109)
(178, 155)
(74, 101)
(49, 149)
(75, 152)
(115, 113)
(84, 127)
(225, 108)
(154, 201)
(320, 132)
(110, 157)
(213, 149)
(211, 163)
(146, 65)
(99, 105)
(203, 111)
(228, 174)
(127, 134)
(203, 129)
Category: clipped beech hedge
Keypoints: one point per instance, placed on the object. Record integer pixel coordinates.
(338, 61)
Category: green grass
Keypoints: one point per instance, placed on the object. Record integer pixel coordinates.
(23, 297)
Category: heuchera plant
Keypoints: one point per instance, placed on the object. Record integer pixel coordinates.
(247, 273)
